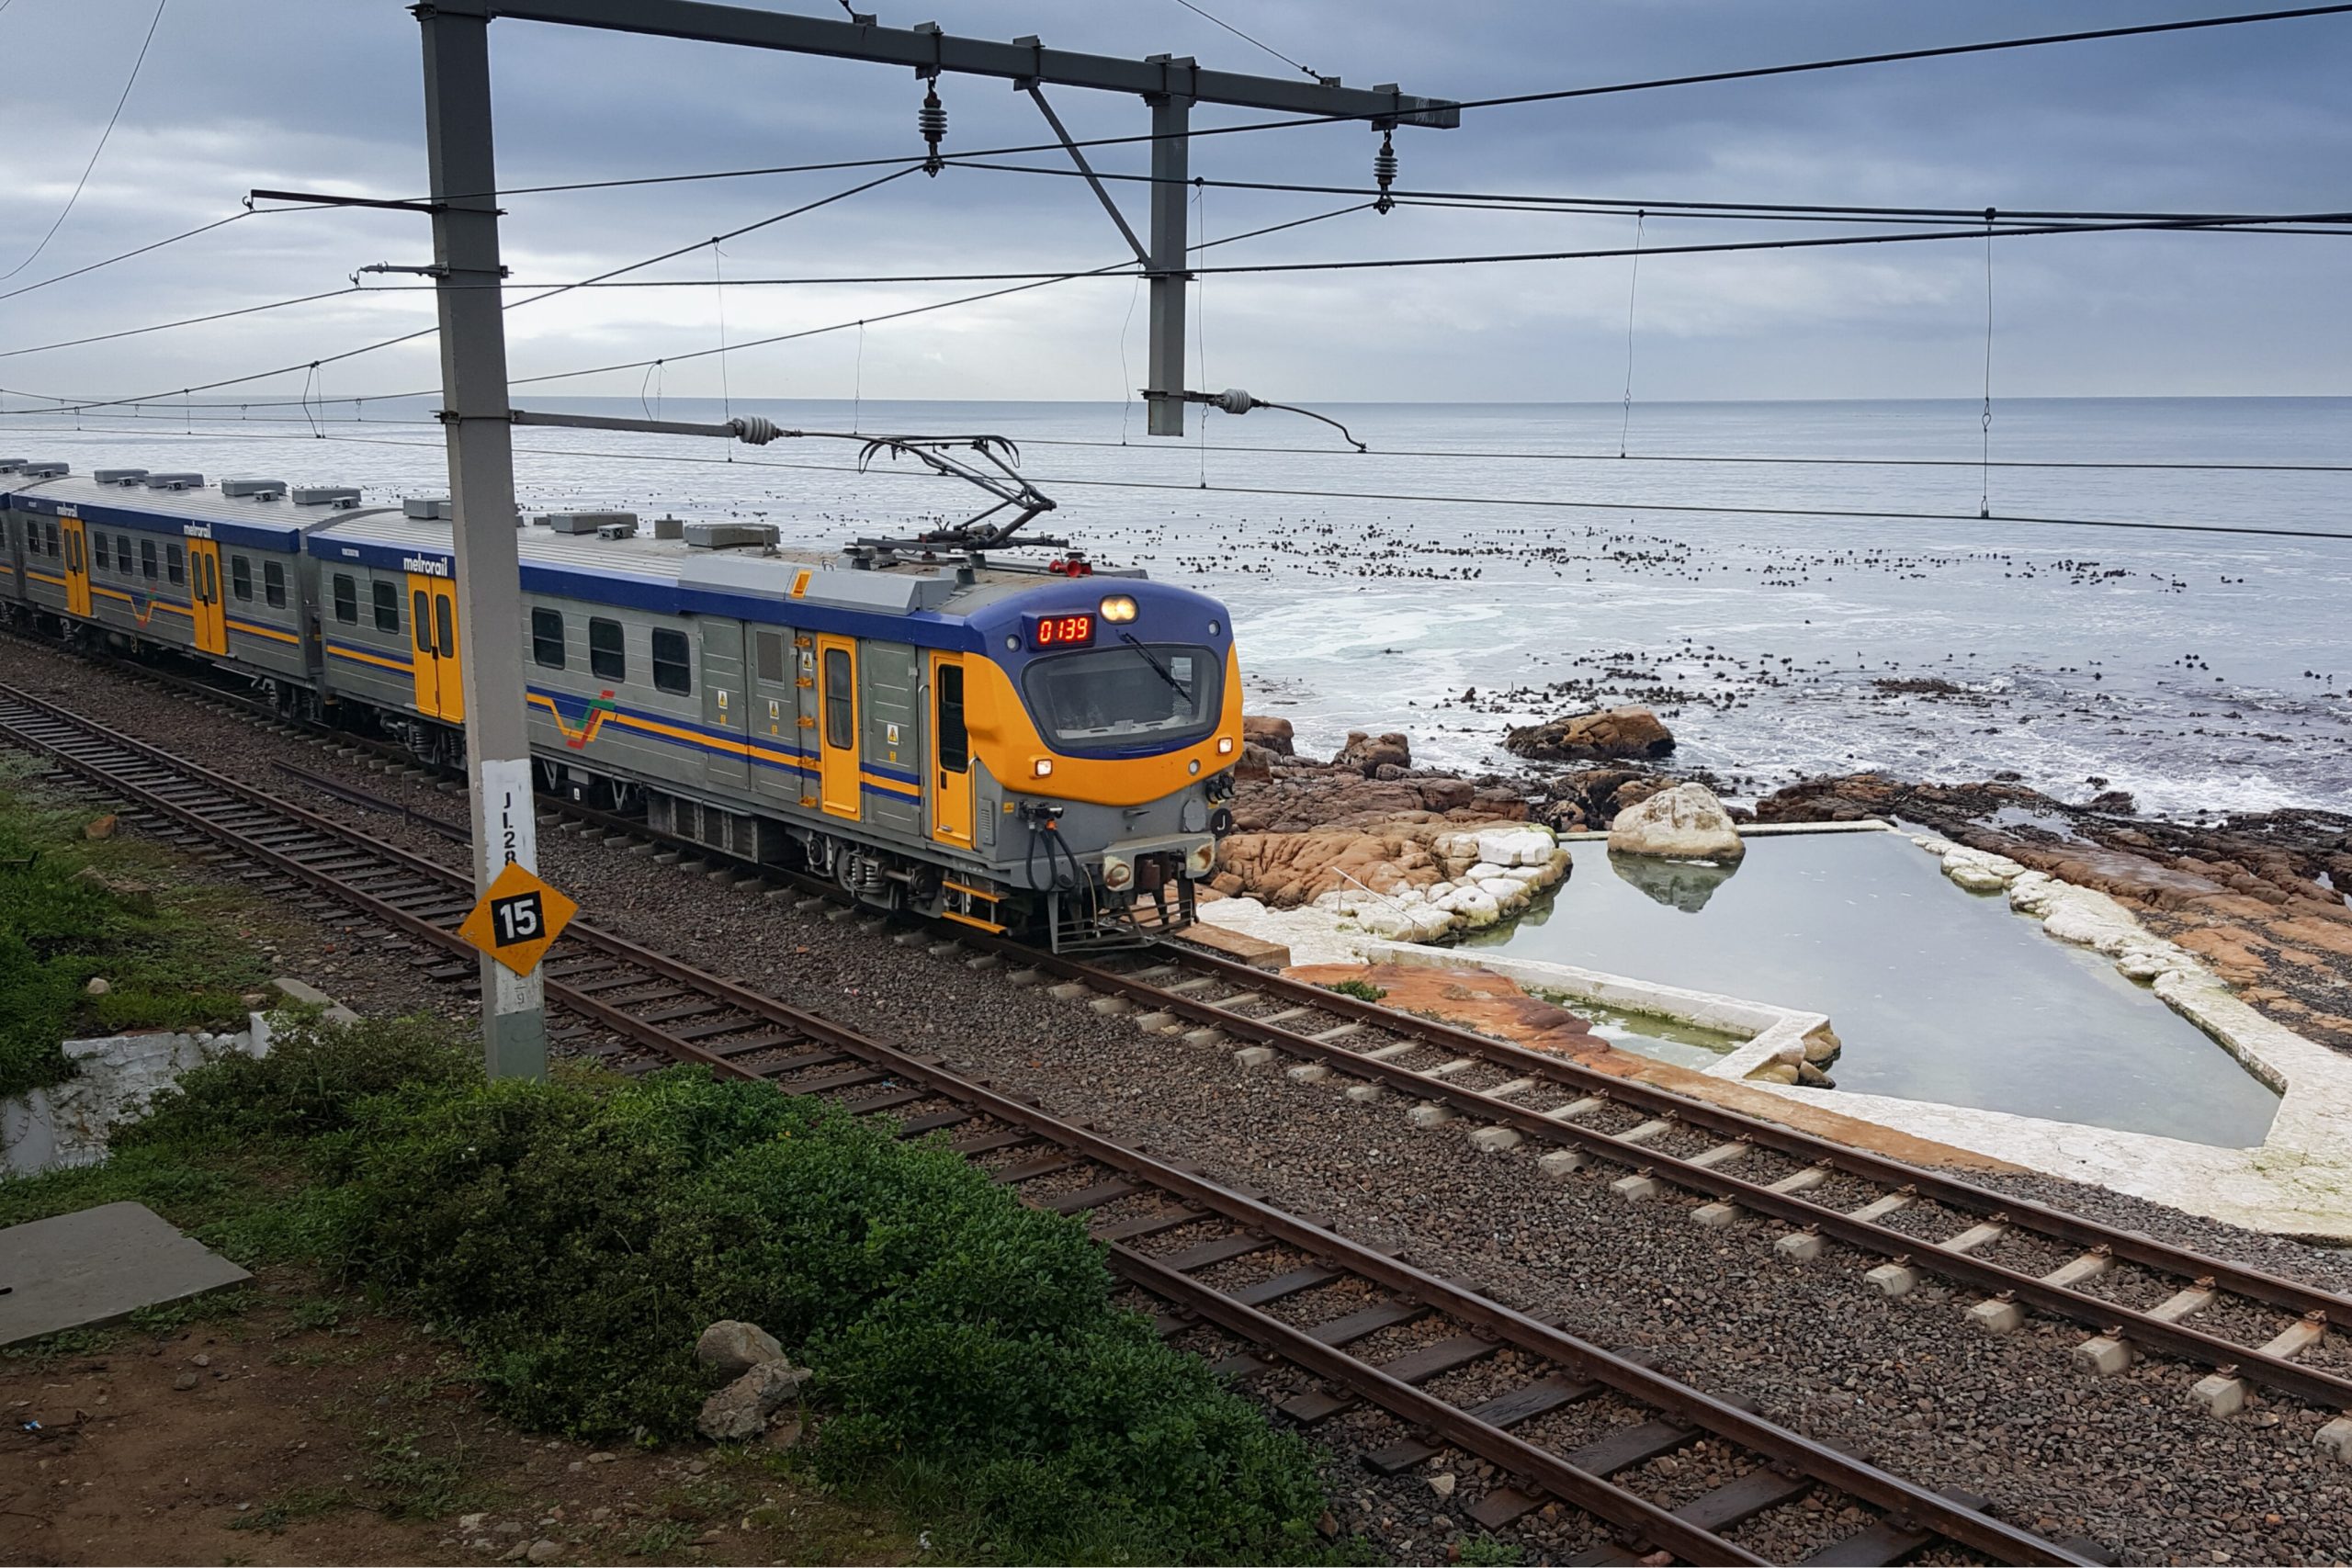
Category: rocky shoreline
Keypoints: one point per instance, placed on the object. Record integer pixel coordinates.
(1422, 855)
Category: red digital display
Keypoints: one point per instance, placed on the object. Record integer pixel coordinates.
(1061, 631)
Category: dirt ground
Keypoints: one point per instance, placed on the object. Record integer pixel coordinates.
(279, 1424)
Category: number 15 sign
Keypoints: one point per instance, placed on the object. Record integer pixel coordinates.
(517, 919)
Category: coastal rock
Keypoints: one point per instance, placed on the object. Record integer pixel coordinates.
(1364, 753)
(1686, 822)
(733, 1348)
(1631, 731)
(1274, 734)
(741, 1409)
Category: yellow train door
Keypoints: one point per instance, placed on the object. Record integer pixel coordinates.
(837, 767)
(447, 668)
(951, 753)
(77, 565)
(204, 596)
(433, 633)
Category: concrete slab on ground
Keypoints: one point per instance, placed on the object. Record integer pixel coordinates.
(1240, 946)
(82, 1270)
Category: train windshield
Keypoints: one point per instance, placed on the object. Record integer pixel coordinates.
(1109, 698)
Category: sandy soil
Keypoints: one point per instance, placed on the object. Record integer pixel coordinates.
(285, 1426)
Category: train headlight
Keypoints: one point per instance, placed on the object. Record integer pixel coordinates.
(1201, 859)
(1043, 767)
(1118, 873)
(1224, 745)
(1118, 607)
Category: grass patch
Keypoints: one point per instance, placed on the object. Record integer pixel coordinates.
(301, 1502)
(1362, 990)
(74, 909)
(573, 1237)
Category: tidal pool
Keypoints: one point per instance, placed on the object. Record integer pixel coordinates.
(1937, 994)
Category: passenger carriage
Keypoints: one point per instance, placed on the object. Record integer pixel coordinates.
(1019, 745)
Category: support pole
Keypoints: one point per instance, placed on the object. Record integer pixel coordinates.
(482, 490)
(1172, 117)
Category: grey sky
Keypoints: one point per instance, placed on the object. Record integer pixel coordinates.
(325, 93)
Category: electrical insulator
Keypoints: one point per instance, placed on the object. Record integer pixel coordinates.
(931, 120)
(1384, 172)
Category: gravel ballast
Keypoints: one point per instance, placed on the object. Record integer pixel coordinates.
(1906, 1380)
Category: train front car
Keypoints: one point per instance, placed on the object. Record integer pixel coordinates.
(1101, 726)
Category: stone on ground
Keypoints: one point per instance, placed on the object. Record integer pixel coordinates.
(1686, 822)
(741, 1409)
(1631, 731)
(735, 1347)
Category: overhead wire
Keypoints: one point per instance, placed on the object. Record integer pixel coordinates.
(140, 251)
(104, 136)
(1038, 281)
(1308, 70)
(1556, 95)
(548, 293)
(1467, 454)
(1450, 499)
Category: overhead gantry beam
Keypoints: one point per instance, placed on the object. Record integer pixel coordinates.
(1170, 85)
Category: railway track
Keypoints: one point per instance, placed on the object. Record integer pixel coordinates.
(2133, 1293)
(1327, 1322)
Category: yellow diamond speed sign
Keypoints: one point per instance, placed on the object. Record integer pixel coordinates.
(518, 919)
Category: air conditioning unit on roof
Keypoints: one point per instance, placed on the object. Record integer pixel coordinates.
(175, 481)
(260, 490)
(119, 476)
(327, 495)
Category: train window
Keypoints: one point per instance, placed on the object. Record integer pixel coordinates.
(147, 559)
(346, 598)
(387, 607)
(604, 655)
(445, 628)
(53, 551)
(175, 563)
(672, 665)
(241, 576)
(955, 742)
(1161, 695)
(768, 649)
(98, 554)
(546, 637)
(420, 619)
(841, 700)
(273, 583)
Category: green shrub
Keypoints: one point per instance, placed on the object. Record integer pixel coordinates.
(1362, 990)
(576, 1236)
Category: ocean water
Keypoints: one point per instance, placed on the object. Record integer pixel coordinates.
(2200, 671)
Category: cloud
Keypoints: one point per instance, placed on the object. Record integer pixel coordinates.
(326, 95)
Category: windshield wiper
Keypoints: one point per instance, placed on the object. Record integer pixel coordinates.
(1157, 667)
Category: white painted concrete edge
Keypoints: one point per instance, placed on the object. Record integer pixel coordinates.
(1758, 830)
(2297, 1181)
(1771, 1034)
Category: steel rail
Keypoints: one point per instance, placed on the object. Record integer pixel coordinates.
(1903, 1499)
(2104, 1316)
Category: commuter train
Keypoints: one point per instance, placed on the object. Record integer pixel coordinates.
(1030, 746)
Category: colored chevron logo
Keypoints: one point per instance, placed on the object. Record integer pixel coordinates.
(591, 718)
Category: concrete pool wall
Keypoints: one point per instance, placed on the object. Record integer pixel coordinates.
(2297, 1179)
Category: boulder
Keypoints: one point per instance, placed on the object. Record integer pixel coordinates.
(1631, 731)
(1686, 822)
(1364, 753)
(741, 1409)
(1274, 734)
(735, 1347)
